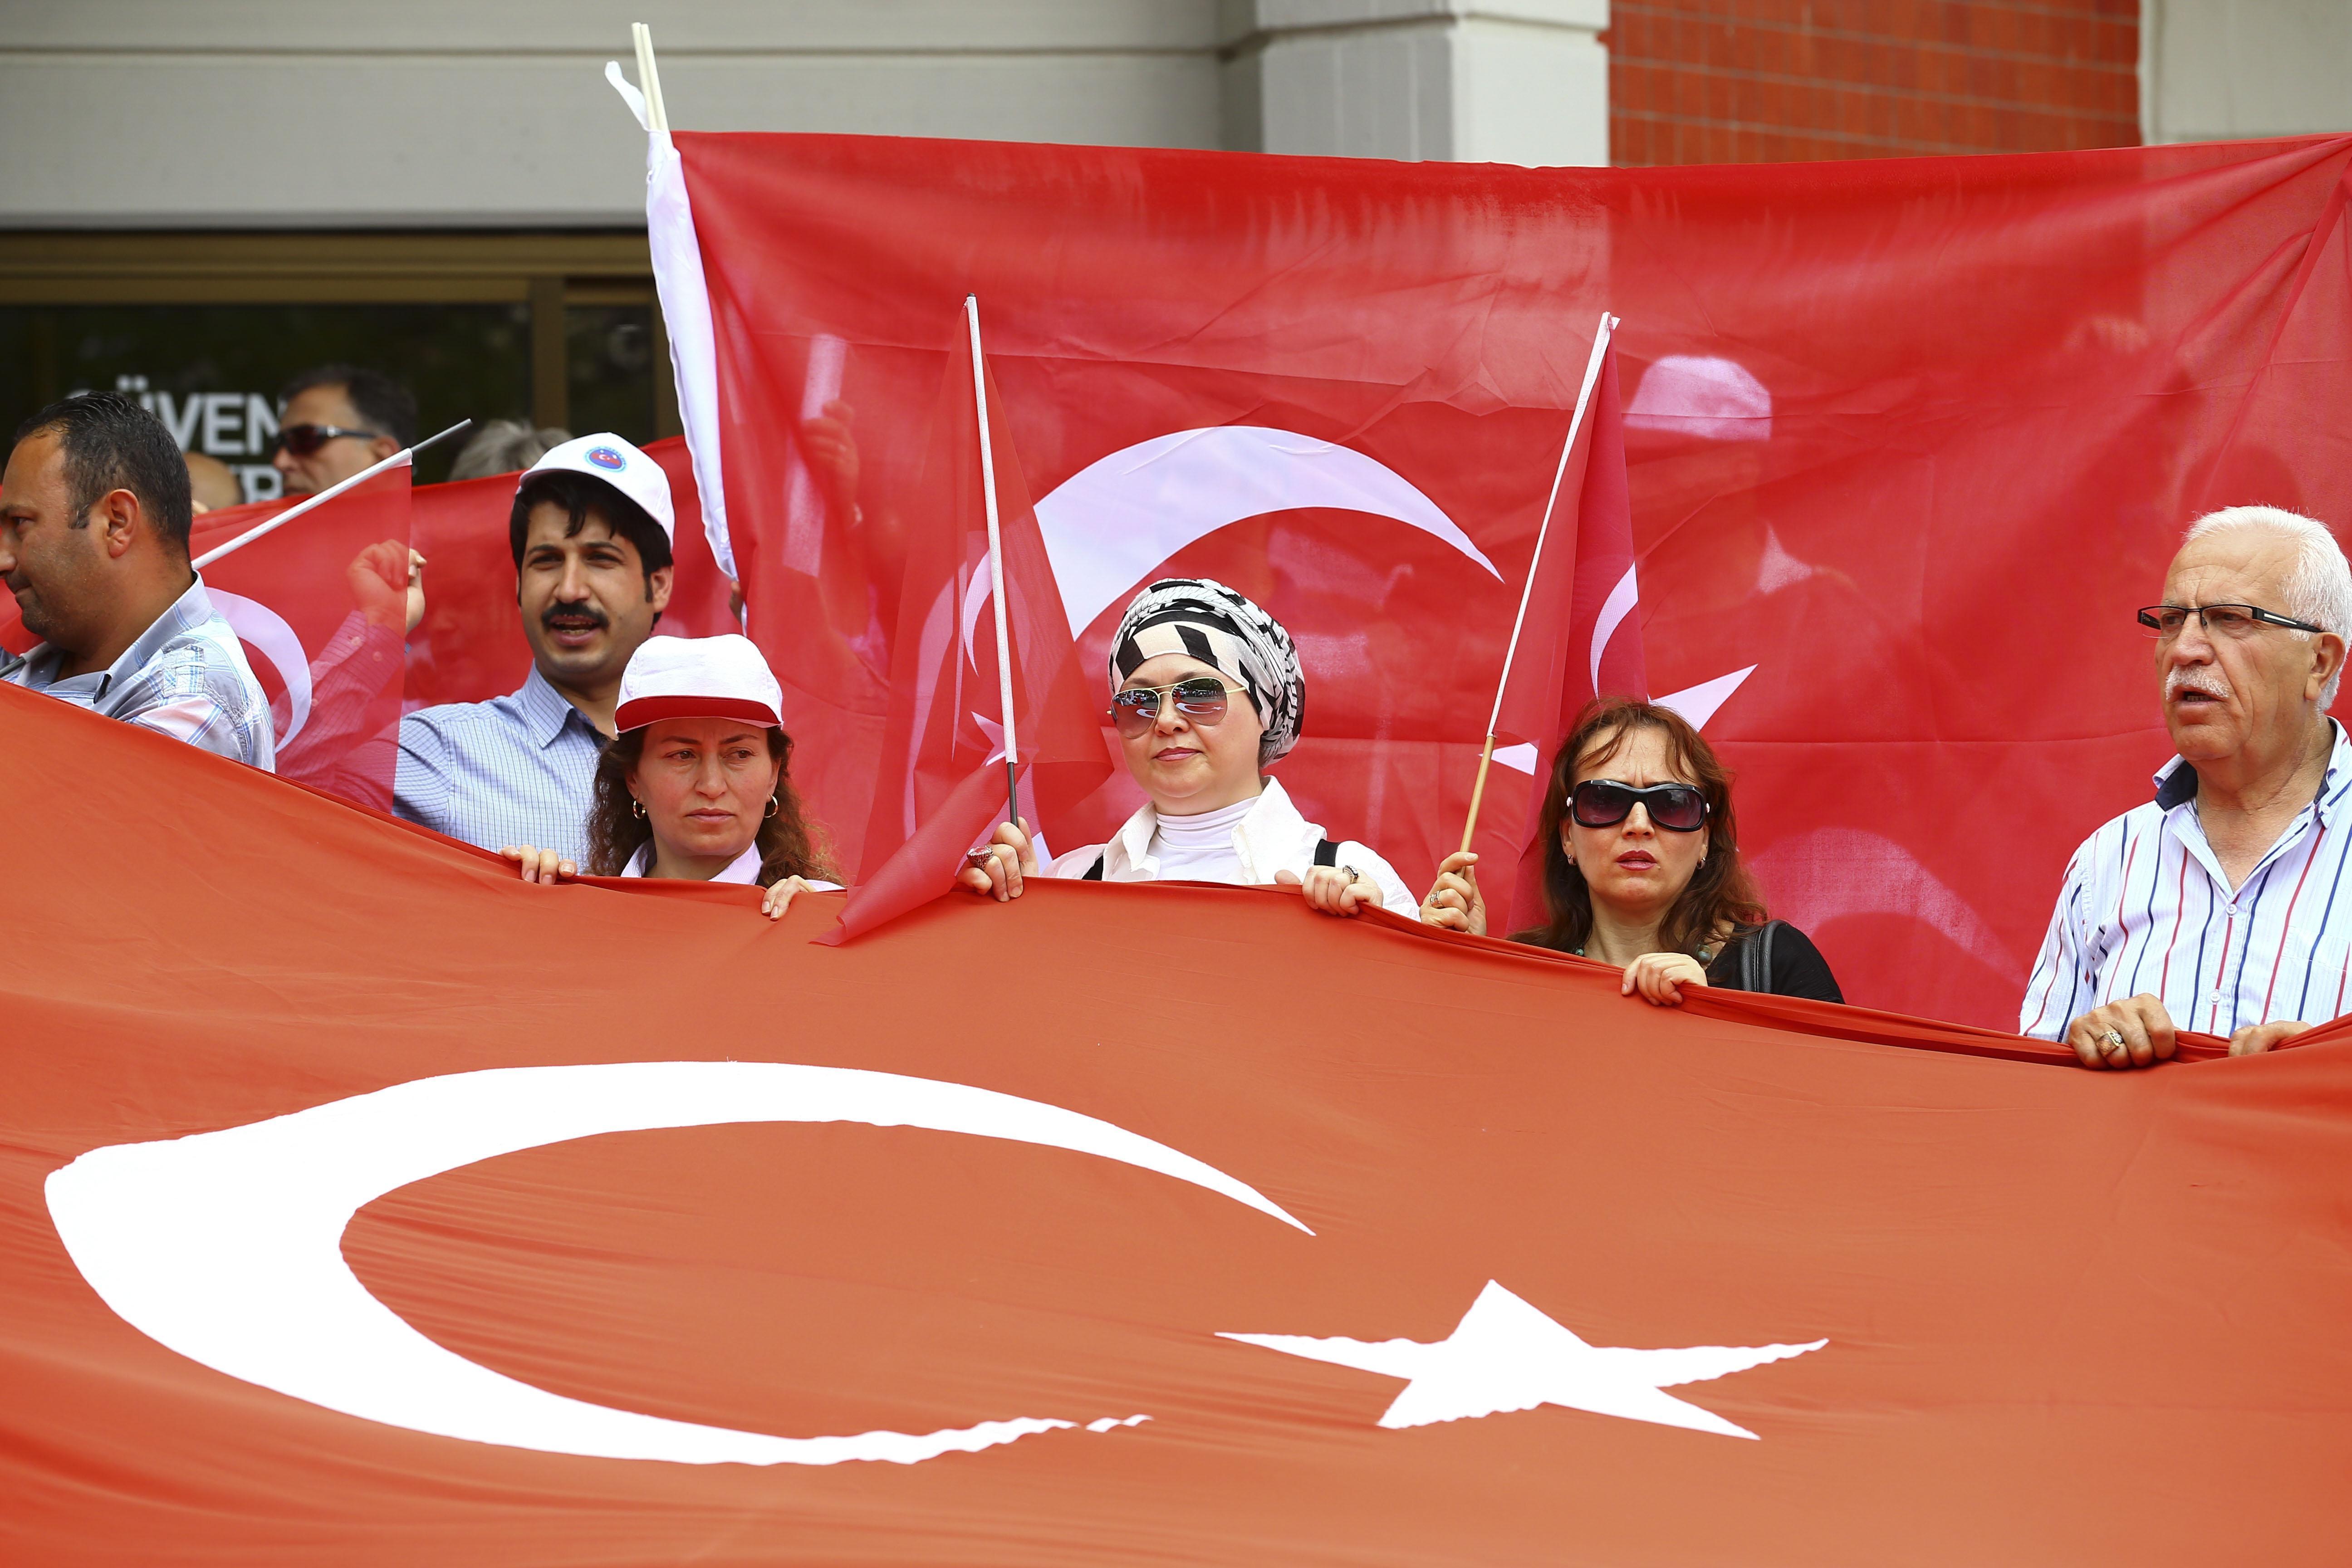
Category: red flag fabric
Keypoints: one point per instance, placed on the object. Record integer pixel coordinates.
(1907, 441)
(943, 782)
(1581, 639)
(362, 1205)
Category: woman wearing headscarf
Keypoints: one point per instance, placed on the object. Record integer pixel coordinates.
(696, 785)
(1642, 867)
(1206, 693)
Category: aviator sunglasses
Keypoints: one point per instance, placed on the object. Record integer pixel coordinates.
(302, 440)
(1201, 700)
(1604, 802)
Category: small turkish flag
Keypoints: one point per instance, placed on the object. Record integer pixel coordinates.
(1581, 637)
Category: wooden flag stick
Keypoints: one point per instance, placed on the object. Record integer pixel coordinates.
(324, 496)
(999, 591)
(1510, 651)
(649, 79)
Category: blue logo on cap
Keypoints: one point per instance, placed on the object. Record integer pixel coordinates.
(606, 457)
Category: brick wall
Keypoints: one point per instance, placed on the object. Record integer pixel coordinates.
(1754, 82)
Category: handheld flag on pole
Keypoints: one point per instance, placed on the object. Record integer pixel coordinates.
(995, 568)
(406, 454)
(1575, 424)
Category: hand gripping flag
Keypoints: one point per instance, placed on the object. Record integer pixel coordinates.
(942, 779)
(363, 1204)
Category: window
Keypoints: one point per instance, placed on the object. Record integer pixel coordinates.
(558, 330)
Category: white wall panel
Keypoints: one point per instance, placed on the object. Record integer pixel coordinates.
(2221, 70)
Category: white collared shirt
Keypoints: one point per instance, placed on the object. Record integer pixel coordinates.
(1272, 837)
(743, 870)
(2146, 908)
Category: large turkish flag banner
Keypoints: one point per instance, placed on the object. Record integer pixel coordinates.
(362, 1205)
(1912, 438)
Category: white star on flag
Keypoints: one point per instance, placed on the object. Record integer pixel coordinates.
(1505, 1355)
(995, 732)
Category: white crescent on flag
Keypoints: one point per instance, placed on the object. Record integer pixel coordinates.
(263, 628)
(226, 1247)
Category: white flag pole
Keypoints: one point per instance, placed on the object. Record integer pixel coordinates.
(1575, 424)
(995, 566)
(321, 498)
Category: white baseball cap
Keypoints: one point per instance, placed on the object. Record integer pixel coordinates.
(606, 457)
(698, 677)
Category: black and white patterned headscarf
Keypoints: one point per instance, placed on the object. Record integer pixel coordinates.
(1208, 621)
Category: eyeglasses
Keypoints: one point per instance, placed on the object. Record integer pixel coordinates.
(2218, 620)
(302, 440)
(1605, 802)
(1201, 700)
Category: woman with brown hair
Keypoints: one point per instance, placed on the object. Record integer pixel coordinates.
(696, 785)
(1642, 867)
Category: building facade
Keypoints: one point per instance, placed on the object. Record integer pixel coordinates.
(213, 195)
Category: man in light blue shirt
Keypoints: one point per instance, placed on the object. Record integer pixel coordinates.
(94, 519)
(591, 527)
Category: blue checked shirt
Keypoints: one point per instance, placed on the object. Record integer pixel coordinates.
(185, 677)
(520, 769)
(2145, 909)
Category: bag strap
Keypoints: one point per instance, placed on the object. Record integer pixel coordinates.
(1755, 959)
(1326, 854)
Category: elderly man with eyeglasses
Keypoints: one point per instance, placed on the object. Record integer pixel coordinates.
(2221, 906)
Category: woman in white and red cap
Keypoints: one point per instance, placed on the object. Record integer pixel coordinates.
(697, 783)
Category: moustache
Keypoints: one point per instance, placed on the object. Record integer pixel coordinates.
(571, 617)
(2208, 683)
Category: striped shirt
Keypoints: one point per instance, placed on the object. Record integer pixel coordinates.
(185, 676)
(2145, 908)
(520, 769)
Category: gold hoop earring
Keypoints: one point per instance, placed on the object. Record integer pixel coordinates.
(637, 806)
(772, 805)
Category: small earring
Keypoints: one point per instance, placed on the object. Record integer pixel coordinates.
(637, 806)
(772, 807)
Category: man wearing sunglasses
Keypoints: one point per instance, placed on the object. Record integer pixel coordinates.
(338, 420)
(2216, 906)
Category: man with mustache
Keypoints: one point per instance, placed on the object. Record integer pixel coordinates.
(2216, 906)
(591, 527)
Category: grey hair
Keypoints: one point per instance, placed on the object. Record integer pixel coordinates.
(2319, 588)
(505, 447)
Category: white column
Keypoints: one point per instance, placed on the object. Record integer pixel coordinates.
(2215, 70)
(1509, 81)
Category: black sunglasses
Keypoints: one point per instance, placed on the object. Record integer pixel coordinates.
(302, 440)
(1604, 802)
(1201, 699)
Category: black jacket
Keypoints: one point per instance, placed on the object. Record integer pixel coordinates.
(1797, 967)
